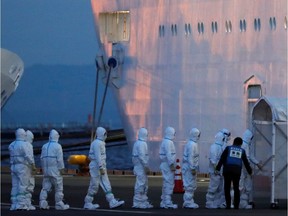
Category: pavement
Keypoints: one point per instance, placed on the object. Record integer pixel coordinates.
(75, 188)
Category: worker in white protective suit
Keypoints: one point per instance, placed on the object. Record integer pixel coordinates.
(167, 155)
(245, 185)
(190, 168)
(98, 173)
(29, 139)
(53, 169)
(215, 197)
(140, 160)
(227, 135)
(22, 164)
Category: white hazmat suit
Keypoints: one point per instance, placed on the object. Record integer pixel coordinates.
(52, 167)
(140, 160)
(245, 185)
(190, 168)
(98, 173)
(29, 139)
(215, 194)
(21, 164)
(167, 155)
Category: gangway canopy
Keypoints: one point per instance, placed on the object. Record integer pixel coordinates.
(270, 109)
(269, 120)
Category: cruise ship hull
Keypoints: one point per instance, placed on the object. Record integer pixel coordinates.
(191, 63)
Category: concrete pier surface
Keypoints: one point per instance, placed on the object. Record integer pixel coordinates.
(75, 188)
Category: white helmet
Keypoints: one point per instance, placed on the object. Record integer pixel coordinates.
(143, 134)
(170, 133)
(54, 135)
(20, 134)
(101, 133)
(194, 134)
(30, 136)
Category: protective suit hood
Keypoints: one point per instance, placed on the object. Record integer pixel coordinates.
(194, 134)
(30, 136)
(227, 134)
(247, 136)
(219, 138)
(54, 135)
(170, 133)
(20, 134)
(142, 134)
(101, 133)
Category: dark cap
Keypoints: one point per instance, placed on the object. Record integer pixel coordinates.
(238, 141)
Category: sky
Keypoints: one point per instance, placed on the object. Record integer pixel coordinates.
(49, 31)
(44, 34)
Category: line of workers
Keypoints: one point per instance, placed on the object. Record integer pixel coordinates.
(225, 167)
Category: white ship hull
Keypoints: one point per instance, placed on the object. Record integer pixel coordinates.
(192, 63)
(12, 68)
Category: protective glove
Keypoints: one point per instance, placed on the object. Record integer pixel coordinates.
(172, 167)
(62, 171)
(102, 171)
(194, 172)
(147, 170)
(217, 172)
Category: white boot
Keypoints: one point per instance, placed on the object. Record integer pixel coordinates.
(168, 205)
(115, 203)
(31, 207)
(44, 205)
(91, 206)
(61, 206)
(13, 207)
(143, 205)
(21, 207)
(191, 205)
(222, 206)
(209, 205)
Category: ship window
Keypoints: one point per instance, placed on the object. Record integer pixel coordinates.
(187, 28)
(174, 29)
(161, 31)
(115, 26)
(12, 69)
(243, 25)
(257, 24)
(16, 80)
(214, 27)
(272, 22)
(254, 91)
(285, 22)
(228, 26)
(200, 27)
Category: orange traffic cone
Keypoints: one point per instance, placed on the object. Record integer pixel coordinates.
(178, 186)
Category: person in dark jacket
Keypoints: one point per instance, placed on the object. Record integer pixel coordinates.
(231, 159)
